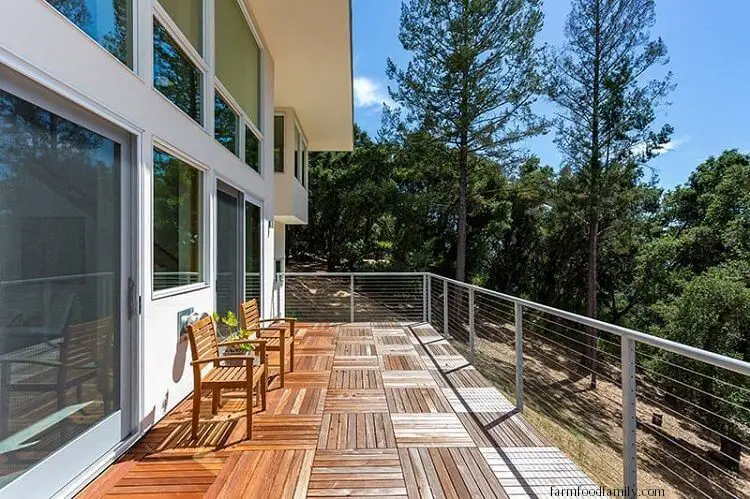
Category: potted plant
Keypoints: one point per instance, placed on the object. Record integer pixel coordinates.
(229, 330)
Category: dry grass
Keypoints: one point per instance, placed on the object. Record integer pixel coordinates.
(586, 423)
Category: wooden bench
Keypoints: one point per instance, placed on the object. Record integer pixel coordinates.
(276, 338)
(204, 347)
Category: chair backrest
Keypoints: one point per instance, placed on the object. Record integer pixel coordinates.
(202, 336)
(82, 345)
(249, 316)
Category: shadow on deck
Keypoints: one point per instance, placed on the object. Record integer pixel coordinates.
(378, 409)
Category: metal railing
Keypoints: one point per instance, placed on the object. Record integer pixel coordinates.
(638, 409)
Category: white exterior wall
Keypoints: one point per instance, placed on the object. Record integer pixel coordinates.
(40, 43)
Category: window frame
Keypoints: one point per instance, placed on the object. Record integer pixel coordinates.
(243, 123)
(203, 225)
(199, 60)
(283, 140)
(137, 70)
(300, 154)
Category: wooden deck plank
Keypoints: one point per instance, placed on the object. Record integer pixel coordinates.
(370, 410)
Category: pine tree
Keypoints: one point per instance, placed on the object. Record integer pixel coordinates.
(606, 113)
(470, 83)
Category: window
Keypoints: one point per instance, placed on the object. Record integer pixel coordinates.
(305, 158)
(278, 144)
(238, 58)
(297, 140)
(109, 22)
(252, 251)
(226, 125)
(60, 263)
(188, 16)
(178, 203)
(252, 150)
(175, 76)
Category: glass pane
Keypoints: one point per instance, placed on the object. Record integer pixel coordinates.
(188, 16)
(303, 173)
(175, 76)
(226, 124)
(278, 143)
(177, 222)
(238, 57)
(252, 251)
(227, 261)
(252, 150)
(109, 22)
(59, 282)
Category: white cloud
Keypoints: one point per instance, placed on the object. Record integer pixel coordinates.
(640, 148)
(370, 94)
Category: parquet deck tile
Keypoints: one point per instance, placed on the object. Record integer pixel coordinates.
(356, 431)
(347, 400)
(356, 378)
(448, 472)
(430, 430)
(355, 349)
(296, 400)
(372, 472)
(309, 362)
(355, 362)
(401, 362)
(416, 400)
(408, 379)
(375, 410)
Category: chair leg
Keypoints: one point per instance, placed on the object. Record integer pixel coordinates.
(282, 361)
(196, 411)
(264, 388)
(249, 402)
(215, 401)
(291, 350)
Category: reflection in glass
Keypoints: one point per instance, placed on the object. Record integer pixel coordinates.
(252, 150)
(297, 149)
(278, 144)
(59, 282)
(188, 15)
(237, 57)
(227, 261)
(175, 76)
(252, 251)
(177, 217)
(109, 22)
(226, 124)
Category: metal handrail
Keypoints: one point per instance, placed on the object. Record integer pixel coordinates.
(629, 337)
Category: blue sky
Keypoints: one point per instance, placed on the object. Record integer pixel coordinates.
(708, 48)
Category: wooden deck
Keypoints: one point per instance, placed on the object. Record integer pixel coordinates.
(382, 410)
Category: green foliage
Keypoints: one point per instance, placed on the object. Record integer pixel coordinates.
(232, 330)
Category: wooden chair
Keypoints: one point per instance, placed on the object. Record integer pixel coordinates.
(276, 338)
(80, 360)
(204, 347)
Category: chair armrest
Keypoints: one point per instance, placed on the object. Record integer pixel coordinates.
(48, 363)
(206, 360)
(279, 319)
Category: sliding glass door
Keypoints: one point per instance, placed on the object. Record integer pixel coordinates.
(252, 252)
(64, 269)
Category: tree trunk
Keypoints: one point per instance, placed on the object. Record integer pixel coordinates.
(463, 194)
(731, 453)
(589, 355)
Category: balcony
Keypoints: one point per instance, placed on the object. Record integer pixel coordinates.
(414, 385)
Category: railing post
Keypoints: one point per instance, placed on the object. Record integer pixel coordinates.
(472, 335)
(428, 277)
(424, 298)
(519, 356)
(445, 308)
(629, 459)
(351, 298)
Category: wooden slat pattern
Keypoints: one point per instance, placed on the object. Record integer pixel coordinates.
(376, 411)
(356, 431)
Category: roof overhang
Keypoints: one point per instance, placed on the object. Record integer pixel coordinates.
(311, 46)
